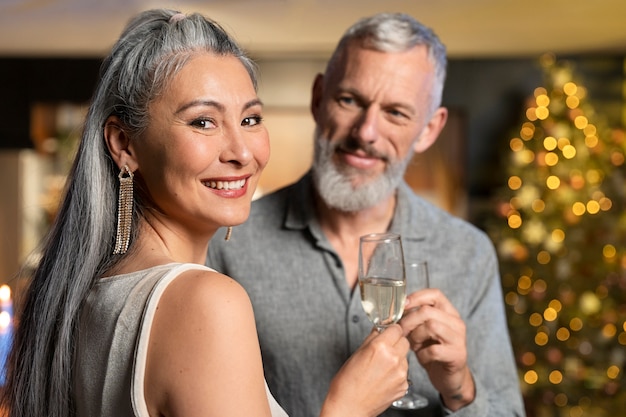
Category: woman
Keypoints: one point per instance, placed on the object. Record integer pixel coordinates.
(121, 317)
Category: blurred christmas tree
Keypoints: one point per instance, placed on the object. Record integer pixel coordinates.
(561, 238)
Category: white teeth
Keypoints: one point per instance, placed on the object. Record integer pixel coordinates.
(225, 185)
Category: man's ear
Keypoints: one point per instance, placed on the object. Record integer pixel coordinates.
(431, 131)
(118, 142)
(316, 95)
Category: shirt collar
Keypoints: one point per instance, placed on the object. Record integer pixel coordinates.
(407, 221)
(300, 204)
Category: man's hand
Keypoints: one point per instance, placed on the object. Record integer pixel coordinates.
(436, 333)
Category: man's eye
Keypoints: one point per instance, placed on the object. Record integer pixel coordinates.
(251, 121)
(398, 114)
(348, 101)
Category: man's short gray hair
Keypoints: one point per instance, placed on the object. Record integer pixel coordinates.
(396, 32)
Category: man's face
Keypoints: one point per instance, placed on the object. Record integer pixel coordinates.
(370, 112)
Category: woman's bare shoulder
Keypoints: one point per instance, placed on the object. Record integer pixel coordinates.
(204, 336)
(204, 290)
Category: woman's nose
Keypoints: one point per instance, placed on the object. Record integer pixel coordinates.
(236, 149)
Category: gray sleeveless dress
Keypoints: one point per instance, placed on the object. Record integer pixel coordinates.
(113, 342)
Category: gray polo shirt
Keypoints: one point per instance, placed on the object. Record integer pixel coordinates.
(309, 321)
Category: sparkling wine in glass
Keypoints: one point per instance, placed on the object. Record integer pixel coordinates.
(382, 278)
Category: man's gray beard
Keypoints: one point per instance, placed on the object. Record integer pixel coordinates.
(334, 183)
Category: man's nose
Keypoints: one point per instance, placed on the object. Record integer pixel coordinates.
(366, 127)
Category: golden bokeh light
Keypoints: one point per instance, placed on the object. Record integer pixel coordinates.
(542, 100)
(579, 208)
(558, 235)
(550, 314)
(527, 131)
(556, 377)
(572, 102)
(593, 207)
(511, 298)
(612, 372)
(543, 257)
(590, 129)
(569, 151)
(541, 339)
(516, 144)
(570, 88)
(563, 142)
(551, 159)
(538, 205)
(591, 141)
(609, 330)
(514, 221)
(531, 377)
(531, 114)
(524, 282)
(556, 305)
(542, 113)
(549, 143)
(562, 334)
(535, 320)
(576, 324)
(605, 204)
(553, 182)
(515, 182)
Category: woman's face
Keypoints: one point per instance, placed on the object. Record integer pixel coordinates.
(205, 147)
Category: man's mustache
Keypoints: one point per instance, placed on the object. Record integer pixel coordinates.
(353, 145)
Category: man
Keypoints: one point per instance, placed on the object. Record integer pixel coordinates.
(376, 105)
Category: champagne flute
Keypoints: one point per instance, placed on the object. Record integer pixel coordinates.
(417, 279)
(382, 278)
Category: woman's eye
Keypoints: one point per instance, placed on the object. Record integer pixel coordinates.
(203, 123)
(251, 121)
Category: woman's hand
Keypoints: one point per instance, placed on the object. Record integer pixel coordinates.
(372, 378)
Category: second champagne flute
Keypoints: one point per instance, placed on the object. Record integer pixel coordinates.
(416, 279)
(382, 278)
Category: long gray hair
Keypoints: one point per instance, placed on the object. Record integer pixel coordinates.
(79, 248)
(396, 32)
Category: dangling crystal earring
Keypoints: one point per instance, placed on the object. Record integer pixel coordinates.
(229, 232)
(124, 211)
